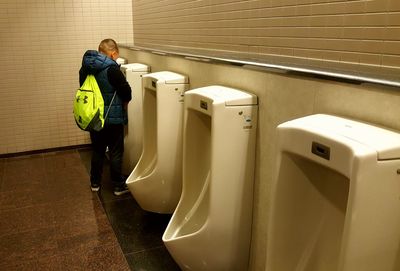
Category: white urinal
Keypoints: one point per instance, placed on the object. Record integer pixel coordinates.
(156, 181)
(121, 60)
(211, 226)
(336, 198)
(134, 130)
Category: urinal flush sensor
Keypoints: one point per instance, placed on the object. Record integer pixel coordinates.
(203, 104)
(247, 122)
(321, 150)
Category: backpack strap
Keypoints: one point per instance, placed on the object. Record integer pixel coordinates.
(109, 107)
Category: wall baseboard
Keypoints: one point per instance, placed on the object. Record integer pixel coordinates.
(82, 146)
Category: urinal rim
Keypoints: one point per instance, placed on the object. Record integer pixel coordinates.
(201, 229)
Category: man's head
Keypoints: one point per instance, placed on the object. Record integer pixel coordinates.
(110, 48)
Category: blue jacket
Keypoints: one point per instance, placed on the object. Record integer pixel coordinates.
(110, 79)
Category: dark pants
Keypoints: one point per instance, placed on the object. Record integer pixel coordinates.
(111, 136)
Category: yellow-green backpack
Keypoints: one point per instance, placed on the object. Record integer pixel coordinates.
(89, 106)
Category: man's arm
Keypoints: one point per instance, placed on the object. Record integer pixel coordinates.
(118, 80)
(82, 76)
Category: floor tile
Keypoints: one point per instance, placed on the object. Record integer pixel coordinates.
(23, 173)
(2, 163)
(85, 240)
(22, 182)
(41, 263)
(106, 193)
(28, 246)
(63, 188)
(10, 200)
(136, 229)
(50, 219)
(26, 219)
(156, 259)
(74, 216)
(85, 156)
(63, 159)
(139, 232)
(101, 258)
(29, 167)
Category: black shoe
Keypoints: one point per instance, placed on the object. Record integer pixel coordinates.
(118, 191)
(95, 187)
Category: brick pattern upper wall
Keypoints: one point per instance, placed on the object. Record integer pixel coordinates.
(330, 32)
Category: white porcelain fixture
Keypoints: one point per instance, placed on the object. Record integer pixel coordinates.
(134, 130)
(336, 197)
(121, 60)
(156, 181)
(211, 226)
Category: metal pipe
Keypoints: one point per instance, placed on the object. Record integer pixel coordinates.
(301, 70)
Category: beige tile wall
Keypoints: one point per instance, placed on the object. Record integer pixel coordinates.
(281, 98)
(325, 33)
(42, 42)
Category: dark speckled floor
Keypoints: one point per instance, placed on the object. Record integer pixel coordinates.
(50, 220)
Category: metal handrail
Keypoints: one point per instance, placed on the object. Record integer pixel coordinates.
(268, 66)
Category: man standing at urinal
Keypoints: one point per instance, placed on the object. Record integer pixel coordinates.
(111, 80)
